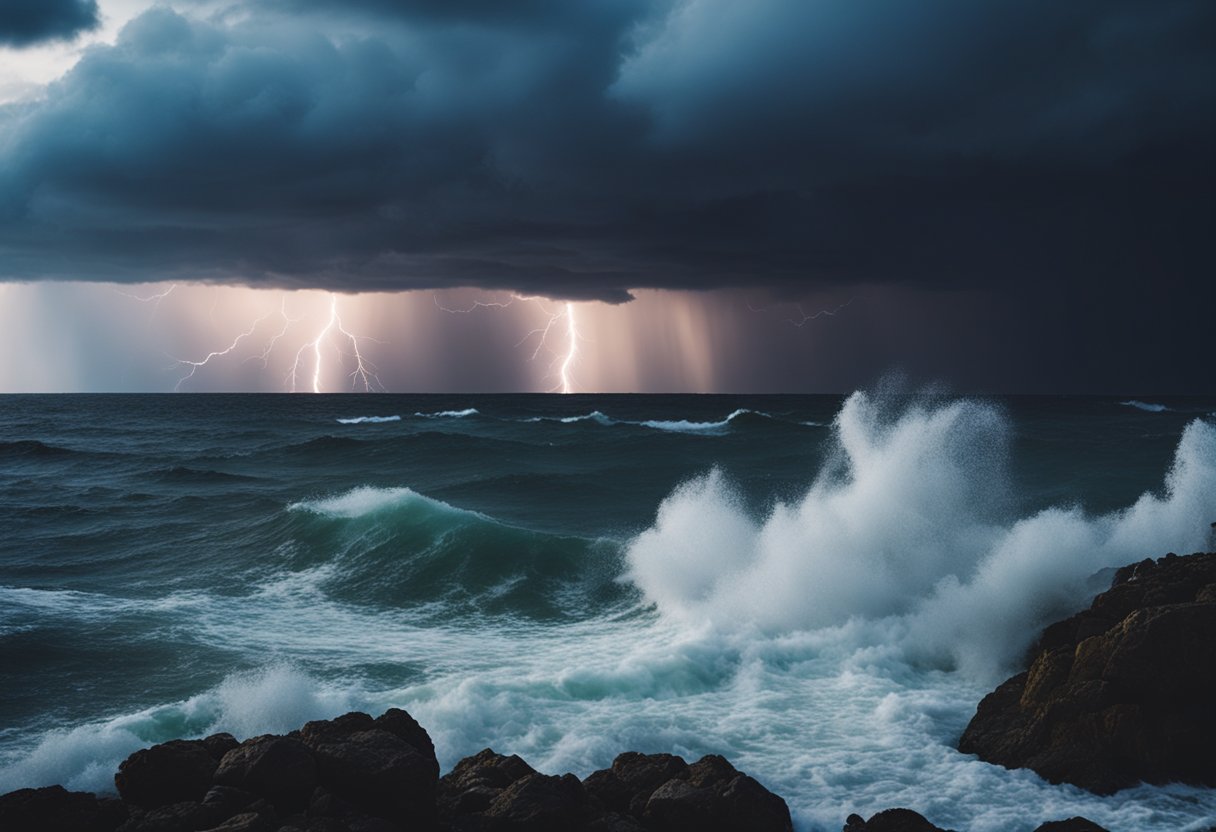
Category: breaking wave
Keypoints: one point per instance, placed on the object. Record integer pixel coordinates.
(1150, 407)
(373, 420)
(907, 536)
(450, 414)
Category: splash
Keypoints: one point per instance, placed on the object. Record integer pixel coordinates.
(907, 537)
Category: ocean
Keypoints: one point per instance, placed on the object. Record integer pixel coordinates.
(820, 588)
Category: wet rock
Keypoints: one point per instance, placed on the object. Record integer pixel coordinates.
(1077, 824)
(280, 769)
(891, 820)
(218, 745)
(540, 803)
(633, 777)
(172, 772)
(661, 791)
(245, 822)
(1119, 693)
(713, 795)
(55, 809)
(186, 816)
(374, 769)
(475, 781)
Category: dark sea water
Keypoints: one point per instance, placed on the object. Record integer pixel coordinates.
(819, 587)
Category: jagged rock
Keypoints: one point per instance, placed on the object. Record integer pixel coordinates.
(540, 803)
(55, 809)
(473, 784)
(891, 820)
(245, 822)
(1119, 693)
(186, 816)
(280, 769)
(661, 791)
(633, 777)
(219, 744)
(1077, 824)
(172, 772)
(373, 768)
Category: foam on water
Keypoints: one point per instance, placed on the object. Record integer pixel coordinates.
(366, 500)
(450, 414)
(686, 426)
(1148, 406)
(373, 420)
(277, 698)
(906, 537)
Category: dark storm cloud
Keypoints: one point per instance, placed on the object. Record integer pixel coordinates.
(25, 22)
(583, 149)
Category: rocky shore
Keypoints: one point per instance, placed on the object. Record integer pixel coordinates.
(1119, 694)
(1115, 695)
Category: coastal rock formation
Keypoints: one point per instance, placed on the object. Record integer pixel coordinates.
(891, 820)
(1120, 693)
(358, 774)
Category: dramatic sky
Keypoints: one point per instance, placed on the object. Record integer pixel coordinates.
(786, 195)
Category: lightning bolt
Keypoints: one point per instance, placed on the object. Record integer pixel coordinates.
(194, 365)
(158, 297)
(565, 384)
(564, 361)
(364, 371)
(287, 322)
(803, 317)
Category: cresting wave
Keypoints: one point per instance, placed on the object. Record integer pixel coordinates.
(672, 425)
(450, 414)
(372, 420)
(906, 538)
(1149, 407)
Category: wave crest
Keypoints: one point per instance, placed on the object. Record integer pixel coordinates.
(906, 533)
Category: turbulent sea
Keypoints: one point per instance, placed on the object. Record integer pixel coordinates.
(820, 588)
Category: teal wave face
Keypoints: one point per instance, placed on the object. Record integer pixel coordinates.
(393, 547)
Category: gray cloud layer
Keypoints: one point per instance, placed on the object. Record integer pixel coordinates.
(26, 22)
(580, 149)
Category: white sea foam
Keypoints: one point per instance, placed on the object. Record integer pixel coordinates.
(450, 414)
(686, 426)
(1151, 407)
(277, 698)
(365, 500)
(905, 536)
(372, 420)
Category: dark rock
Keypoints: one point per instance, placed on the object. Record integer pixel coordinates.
(473, 784)
(713, 795)
(220, 744)
(627, 786)
(55, 809)
(228, 801)
(891, 820)
(1119, 693)
(246, 822)
(1071, 825)
(172, 772)
(661, 791)
(280, 769)
(540, 803)
(373, 769)
(186, 816)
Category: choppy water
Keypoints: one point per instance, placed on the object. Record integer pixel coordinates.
(819, 588)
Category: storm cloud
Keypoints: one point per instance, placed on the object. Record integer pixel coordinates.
(26, 22)
(582, 150)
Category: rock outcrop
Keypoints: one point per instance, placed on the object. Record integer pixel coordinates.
(358, 774)
(1120, 693)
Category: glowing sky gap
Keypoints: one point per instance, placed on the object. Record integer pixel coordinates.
(194, 365)
(158, 297)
